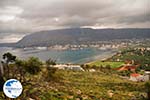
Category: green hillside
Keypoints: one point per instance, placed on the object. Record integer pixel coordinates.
(69, 85)
(106, 63)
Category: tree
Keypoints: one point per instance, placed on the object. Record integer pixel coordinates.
(50, 62)
(20, 64)
(50, 71)
(33, 65)
(86, 67)
(108, 67)
(7, 59)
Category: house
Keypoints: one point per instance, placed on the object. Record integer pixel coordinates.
(147, 75)
(129, 67)
(74, 68)
(92, 70)
(60, 66)
(136, 77)
(69, 67)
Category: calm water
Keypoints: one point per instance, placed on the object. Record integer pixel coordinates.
(67, 56)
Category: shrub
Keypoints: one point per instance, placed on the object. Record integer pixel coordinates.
(33, 65)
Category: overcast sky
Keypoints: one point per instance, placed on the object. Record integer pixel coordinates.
(18, 17)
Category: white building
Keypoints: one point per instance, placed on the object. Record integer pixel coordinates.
(138, 77)
(69, 67)
(147, 75)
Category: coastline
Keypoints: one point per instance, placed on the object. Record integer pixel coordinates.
(68, 56)
(103, 56)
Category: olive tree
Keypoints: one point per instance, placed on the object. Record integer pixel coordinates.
(33, 65)
(20, 65)
(7, 59)
(50, 70)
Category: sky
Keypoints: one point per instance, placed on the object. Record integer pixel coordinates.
(21, 17)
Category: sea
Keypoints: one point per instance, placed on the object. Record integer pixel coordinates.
(79, 56)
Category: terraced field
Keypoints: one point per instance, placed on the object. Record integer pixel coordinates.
(111, 64)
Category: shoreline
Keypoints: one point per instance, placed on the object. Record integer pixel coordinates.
(103, 57)
(99, 56)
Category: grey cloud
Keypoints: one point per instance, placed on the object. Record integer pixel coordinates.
(10, 37)
(4, 3)
(135, 19)
(77, 13)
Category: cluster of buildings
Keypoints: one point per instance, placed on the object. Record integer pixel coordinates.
(104, 45)
(135, 76)
(101, 46)
(126, 67)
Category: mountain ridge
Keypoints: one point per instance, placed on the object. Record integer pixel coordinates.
(81, 35)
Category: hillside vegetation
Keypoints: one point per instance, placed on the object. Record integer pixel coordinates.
(42, 82)
(112, 64)
(140, 56)
(69, 85)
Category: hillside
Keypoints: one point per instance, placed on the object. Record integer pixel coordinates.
(80, 35)
(42, 82)
(71, 85)
(140, 56)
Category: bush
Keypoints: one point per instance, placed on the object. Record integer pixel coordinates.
(33, 65)
(50, 62)
(125, 73)
(49, 74)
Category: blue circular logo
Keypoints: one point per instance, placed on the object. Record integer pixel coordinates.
(12, 88)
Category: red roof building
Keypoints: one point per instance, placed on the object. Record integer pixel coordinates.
(136, 77)
(127, 67)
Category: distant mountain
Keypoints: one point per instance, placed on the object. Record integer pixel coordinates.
(80, 35)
